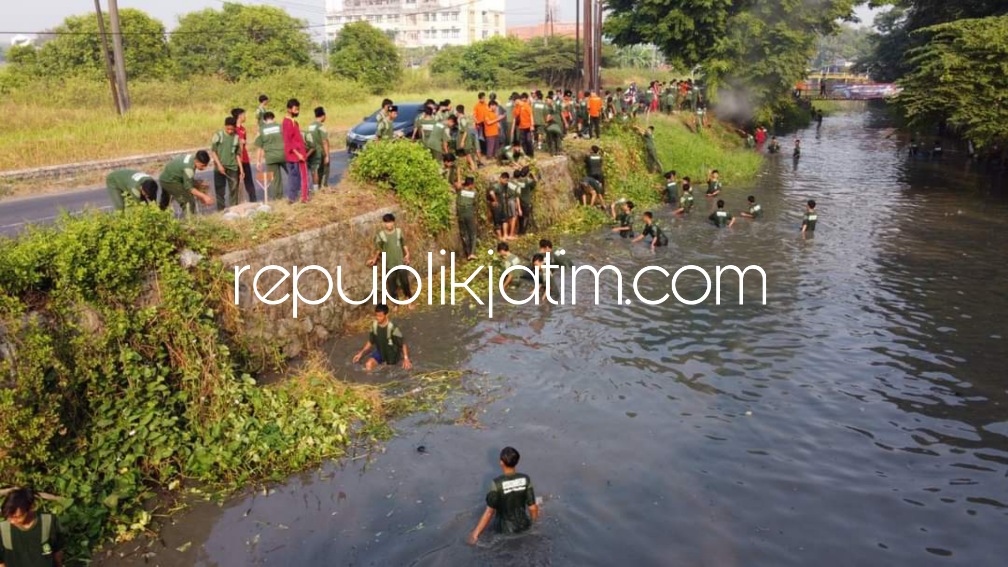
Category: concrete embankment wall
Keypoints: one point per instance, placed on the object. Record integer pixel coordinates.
(348, 244)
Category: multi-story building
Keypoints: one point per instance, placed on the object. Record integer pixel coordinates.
(421, 23)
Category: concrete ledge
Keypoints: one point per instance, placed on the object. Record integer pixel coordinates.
(73, 168)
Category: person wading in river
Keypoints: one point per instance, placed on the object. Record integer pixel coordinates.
(511, 499)
(809, 220)
(384, 343)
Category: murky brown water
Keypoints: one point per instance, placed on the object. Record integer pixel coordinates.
(858, 419)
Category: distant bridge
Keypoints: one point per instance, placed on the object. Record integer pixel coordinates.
(844, 86)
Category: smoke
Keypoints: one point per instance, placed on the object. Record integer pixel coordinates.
(735, 105)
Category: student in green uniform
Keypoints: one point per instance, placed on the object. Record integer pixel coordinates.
(467, 144)
(386, 123)
(385, 343)
(554, 135)
(452, 171)
(261, 111)
(671, 189)
(653, 163)
(797, 148)
(527, 187)
(559, 260)
(440, 141)
(424, 124)
(270, 152)
(686, 200)
(755, 211)
(505, 259)
(512, 206)
(713, 183)
(774, 146)
(390, 241)
(130, 185)
(511, 499)
(722, 218)
(658, 237)
(465, 209)
(319, 162)
(625, 220)
(509, 155)
(178, 182)
(29, 538)
(496, 197)
(225, 151)
(590, 192)
(809, 221)
(593, 164)
(539, 119)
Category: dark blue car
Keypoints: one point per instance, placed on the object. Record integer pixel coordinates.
(365, 131)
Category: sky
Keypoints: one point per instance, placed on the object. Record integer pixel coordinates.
(20, 16)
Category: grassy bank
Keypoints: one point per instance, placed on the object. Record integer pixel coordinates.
(52, 123)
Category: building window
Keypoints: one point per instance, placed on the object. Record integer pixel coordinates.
(486, 17)
(455, 33)
(444, 34)
(455, 16)
(378, 19)
(496, 20)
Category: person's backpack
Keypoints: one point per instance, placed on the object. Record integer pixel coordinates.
(8, 542)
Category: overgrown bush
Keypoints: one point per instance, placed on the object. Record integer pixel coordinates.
(408, 169)
(118, 381)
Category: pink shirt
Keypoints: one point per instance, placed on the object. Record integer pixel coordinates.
(293, 140)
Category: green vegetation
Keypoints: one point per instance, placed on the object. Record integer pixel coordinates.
(408, 169)
(961, 76)
(755, 49)
(365, 54)
(505, 61)
(240, 41)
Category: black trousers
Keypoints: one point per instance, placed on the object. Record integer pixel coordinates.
(227, 181)
(525, 221)
(528, 146)
(250, 189)
(467, 232)
(595, 127)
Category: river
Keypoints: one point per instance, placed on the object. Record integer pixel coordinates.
(856, 419)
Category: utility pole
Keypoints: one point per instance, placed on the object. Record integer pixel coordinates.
(597, 67)
(108, 59)
(577, 43)
(589, 36)
(117, 51)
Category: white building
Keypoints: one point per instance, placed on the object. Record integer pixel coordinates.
(421, 23)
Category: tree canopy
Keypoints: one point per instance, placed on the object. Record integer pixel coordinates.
(961, 75)
(759, 48)
(240, 41)
(75, 48)
(365, 54)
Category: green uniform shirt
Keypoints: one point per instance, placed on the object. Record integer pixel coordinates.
(127, 182)
(625, 220)
(656, 233)
(465, 201)
(181, 171)
(227, 149)
(439, 134)
(671, 190)
(649, 140)
(755, 210)
(385, 129)
(686, 201)
(527, 191)
(387, 340)
(426, 126)
(318, 134)
(506, 154)
(260, 112)
(809, 221)
(392, 244)
(594, 165)
(270, 139)
(28, 550)
(720, 218)
(538, 113)
(713, 186)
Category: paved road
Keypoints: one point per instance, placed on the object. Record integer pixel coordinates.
(16, 213)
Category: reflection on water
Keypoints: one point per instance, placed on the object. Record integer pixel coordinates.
(858, 419)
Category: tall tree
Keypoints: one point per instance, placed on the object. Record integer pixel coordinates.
(961, 75)
(240, 41)
(75, 49)
(365, 54)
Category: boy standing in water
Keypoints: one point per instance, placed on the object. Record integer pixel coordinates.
(722, 218)
(755, 211)
(686, 201)
(511, 499)
(797, 148)
(713, 183)
(385, 343)
(671, 189)
(658, 237)
(809, 221)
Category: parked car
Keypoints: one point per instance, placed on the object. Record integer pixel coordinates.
(364, 132)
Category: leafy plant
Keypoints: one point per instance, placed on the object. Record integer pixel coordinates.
(365, 54)
(409, 170)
